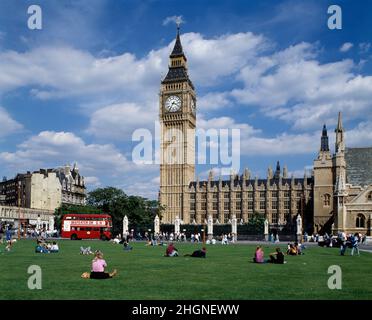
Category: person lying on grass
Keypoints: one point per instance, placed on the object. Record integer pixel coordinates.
(198, 253)
(98, 268)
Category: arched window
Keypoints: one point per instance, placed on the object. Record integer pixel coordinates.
(360, 221)
(327, 200)
(369, 197)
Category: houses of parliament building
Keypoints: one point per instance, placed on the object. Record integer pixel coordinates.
(337, 196)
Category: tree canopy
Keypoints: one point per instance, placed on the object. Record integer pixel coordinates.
(140, 211)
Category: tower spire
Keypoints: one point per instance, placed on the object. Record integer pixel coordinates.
(277, 171)
(340, 143)
(177, 71)
(324, 145)
(339, 122)
(177, 49)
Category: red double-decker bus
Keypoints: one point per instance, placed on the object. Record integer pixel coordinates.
(86, 226)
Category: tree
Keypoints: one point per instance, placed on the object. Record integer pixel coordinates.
(69, 208)
(140, 211)
(256, 223)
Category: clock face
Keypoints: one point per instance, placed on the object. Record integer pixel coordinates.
(173, 104)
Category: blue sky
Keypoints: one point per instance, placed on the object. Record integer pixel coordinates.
(78, 88)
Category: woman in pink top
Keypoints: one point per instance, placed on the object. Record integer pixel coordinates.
(259, 256)
(98, 268)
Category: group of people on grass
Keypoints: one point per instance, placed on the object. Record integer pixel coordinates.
(351, 240)
(46, 247)
(295, 249)
(172, 251)
(276, 257)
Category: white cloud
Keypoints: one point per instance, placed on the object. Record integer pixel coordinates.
(92, 181)
(120, 120)
(364, 47)
(174, 19)
(214, 101)
(51, 149)
(293, 86)
(346, 47)
(7, 124)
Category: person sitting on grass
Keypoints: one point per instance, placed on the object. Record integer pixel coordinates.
(98, 268)
(277, 257)
(40, 247)
(127, 247)
(198, 253)
(259, 255)
(298, 247)
(54, 248)
(171, 251)
(292, 250)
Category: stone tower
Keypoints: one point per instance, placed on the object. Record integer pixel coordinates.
(177, 112)
(323, 184)
(339, 163)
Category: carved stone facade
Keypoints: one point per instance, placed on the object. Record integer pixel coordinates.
(325, 200)
(72, 184)
(339, 205)
(45, 189)
(177, 101)
(278, 198)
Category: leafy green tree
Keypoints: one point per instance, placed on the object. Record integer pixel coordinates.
(256, 224)
(68, 208)
(140, 211)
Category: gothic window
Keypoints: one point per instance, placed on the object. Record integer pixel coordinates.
(204, 196)
(274, 194)
(215, 205)
(238, 205)
(287, 194)
(215, 195)
(226, 195)
(262, 194)
(274, 205)
(204, 206)
(360, 221)
(299, 194)
(262, 205)
(226, 206)
(238, 195)
(250, 195)
(275, 217)
(327, 200)
(369, 196)
(192, 196)
(250, 205)
(192, 206)
(286, 205)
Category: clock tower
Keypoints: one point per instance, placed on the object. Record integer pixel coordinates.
(177, 112)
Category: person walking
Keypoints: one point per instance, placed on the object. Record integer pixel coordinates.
(355, 244)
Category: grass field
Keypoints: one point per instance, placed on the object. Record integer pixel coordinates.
(226, 273)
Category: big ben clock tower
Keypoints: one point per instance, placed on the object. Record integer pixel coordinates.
(177, 112)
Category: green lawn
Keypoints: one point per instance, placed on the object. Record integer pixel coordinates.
(226, 273)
